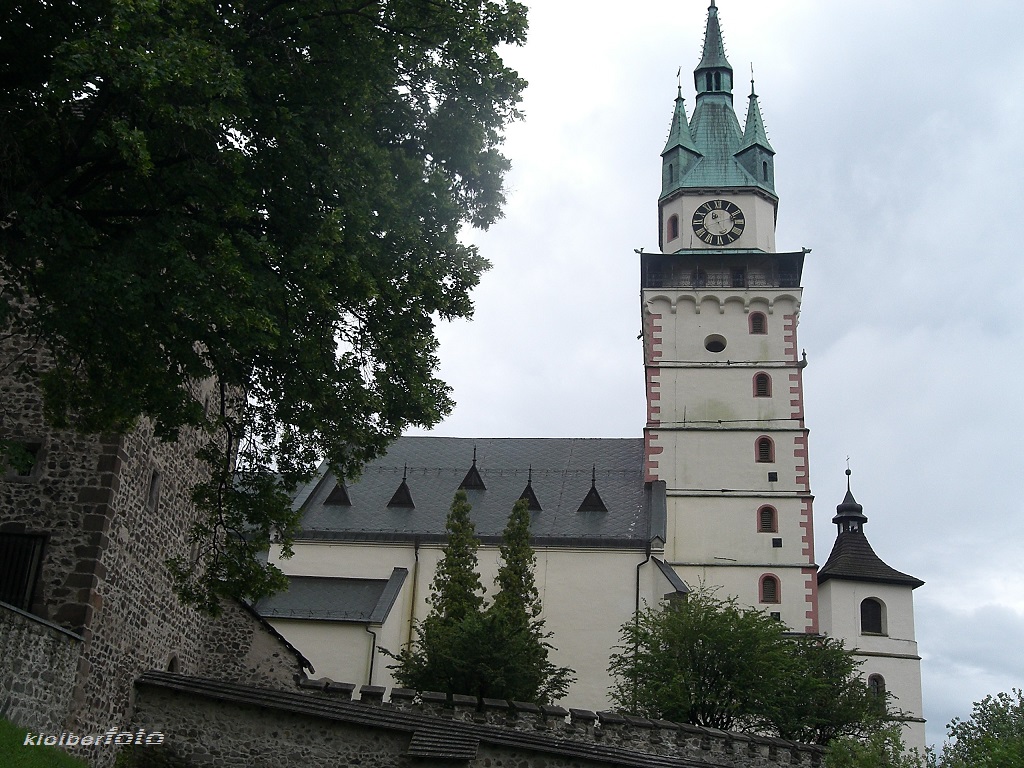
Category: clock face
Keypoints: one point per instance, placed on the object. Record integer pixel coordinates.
(718, 222)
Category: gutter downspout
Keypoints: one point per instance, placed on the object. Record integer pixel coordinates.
(415, 580)
(373, 653)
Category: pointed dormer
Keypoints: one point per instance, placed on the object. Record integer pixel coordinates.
(472, 481)
(528, 493)
(714, 73)
(593, 502)
(402, 497)
(756, 154)
(852, 557)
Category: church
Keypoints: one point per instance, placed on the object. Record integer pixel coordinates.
(715, 492)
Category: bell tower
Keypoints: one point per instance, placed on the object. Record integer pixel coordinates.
(725, 419)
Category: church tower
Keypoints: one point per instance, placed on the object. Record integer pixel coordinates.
(725, 419)
(871, 607)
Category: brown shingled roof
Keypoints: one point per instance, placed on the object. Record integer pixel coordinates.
(853, 559)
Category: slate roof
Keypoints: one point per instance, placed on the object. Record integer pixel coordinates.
(363, 601)
(853, 559)
(560, 471)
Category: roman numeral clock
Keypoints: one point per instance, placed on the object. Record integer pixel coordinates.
(718, 222)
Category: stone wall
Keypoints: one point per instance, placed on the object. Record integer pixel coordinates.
(38, 664)
(112, 510)
(207, 723)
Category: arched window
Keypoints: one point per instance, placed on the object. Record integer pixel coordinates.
(876, 685)
(767, 519)
(872, 616)
(671, 174)
(758, 323)
(770, 592)
(673, 227)
(764, 171)
(765, 450)
(173, 665)
(709, 82)
(762, 385)
(718, 81)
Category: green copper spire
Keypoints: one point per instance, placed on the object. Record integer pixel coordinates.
(680, 153)
(753, 132)
(679, 132)
(714, 73)
(755, 153)
(715, 152)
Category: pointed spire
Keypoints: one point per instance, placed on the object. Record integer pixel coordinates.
(850, 517)
(403, 496)
(754, 132)
(714, 73)
(679, 131)
(472, 481)
(852, 557)
(593, 501)
(532, 503)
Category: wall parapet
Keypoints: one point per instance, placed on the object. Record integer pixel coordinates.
(38, 665)
(431, 724)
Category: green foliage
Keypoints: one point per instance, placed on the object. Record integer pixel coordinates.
(881, 749)
(526, 674)
(267, 196)
(992, 737)
(498, 652)
(706, 661)
(817, 696)
(14, 753)
(456, 591)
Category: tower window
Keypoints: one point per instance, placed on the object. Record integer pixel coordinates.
(673, 227)
(876, 685)
(764, 170)
(709, 82)
(770, 589)
(767, 519)
(758, 323)
(872, 617)
(765, 450)
(762, 385)
(718, 81)
(671, 174)
(153, 495)
(714, 343)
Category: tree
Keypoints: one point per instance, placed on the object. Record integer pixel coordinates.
(993, 736)
(706, 661)
(882, 749)
(818, 696)
(243, 218)
(498, 652)
(526, 673)
(449, 640)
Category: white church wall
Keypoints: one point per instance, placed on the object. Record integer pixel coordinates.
(587, 594)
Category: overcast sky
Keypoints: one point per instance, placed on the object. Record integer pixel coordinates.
(900, 162)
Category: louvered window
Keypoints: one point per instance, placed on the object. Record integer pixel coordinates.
(762, 385)
(769, 589)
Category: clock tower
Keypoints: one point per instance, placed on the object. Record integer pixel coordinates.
(725, 419)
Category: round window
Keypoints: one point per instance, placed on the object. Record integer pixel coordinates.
(714, 343)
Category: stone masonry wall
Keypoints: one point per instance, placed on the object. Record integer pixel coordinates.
(113, 509)
(38, 664)
(205, 724)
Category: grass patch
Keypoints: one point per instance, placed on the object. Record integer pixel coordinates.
(14, 753)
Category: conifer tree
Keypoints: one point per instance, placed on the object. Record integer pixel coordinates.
(449, 638)
(526, 674)
(500, 652)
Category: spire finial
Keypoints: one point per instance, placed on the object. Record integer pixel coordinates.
(593, 476)
(405, 471)
(752, 91)
(474, 454)
(529, 476)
